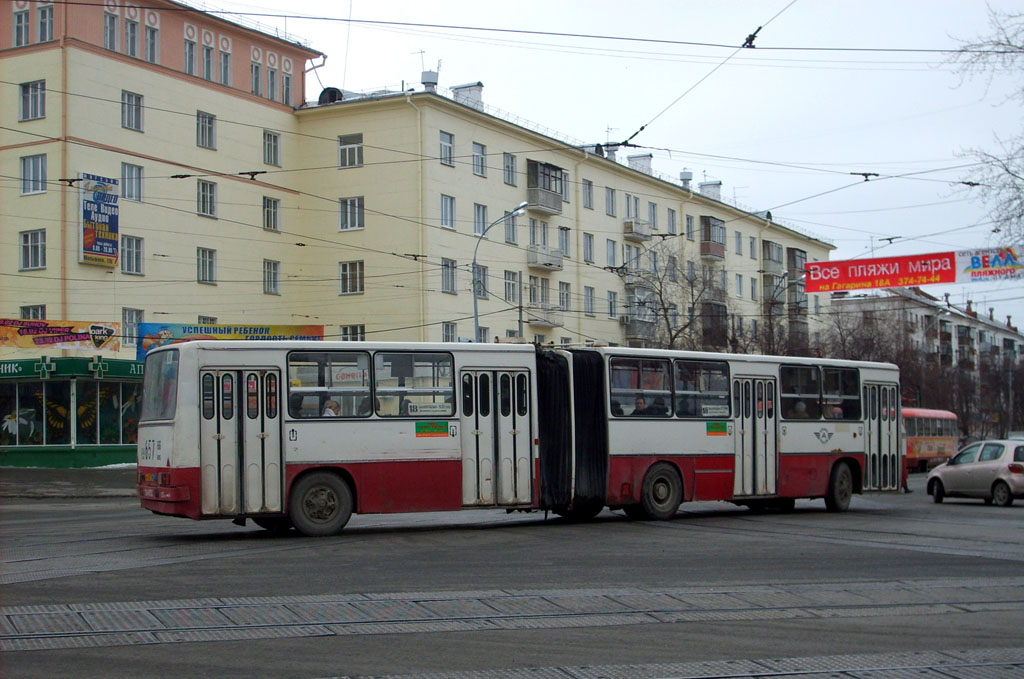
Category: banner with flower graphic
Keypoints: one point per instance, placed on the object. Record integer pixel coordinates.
(39, 334)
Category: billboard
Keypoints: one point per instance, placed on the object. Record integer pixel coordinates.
(38, 334)
(152, 335)
(965, 266)
(100, 240)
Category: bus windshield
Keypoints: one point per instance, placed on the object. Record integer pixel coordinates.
(160, 386)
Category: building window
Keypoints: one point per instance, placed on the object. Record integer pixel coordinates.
(271, 277)
(609, 201)
(479, 219)
(563, 295)
(256, 71)
(613, 303)
(206, 265)
(33, 101)
(479, 159)
(352, 333)
(21, 29)
(739, 285)
(511, 286)
(511, 228)
(563, 240)
(152, 45)
(33, 249)
(588, 247)
(673, 268)
(130, 321)
(286, 89)
(447, 211)
(447, 148)
(632, 206)
(449, 332)
(271, 148)
(673, 225)
(652, 214)
(689, 227)
(610, 250)
(753, 247)
(131, 255)
(350, 150)
(480, 281)
(588, 194)
(739, 242)
(190, 57)
(33, 312)
(271, 213)
(588, 300)
(206, 198)
(46, 23)
(483, 334)
(207, 62)
(351, 213)
(131, 110)
(225, 68)
(350, 277)
(272, 84)
(33, 174)
(753, 289)
(206, 130)
(131, 182)
(509, 168)
(691, 271)
(448, 269)
(532, 289)
(131, 38)
(110, 31)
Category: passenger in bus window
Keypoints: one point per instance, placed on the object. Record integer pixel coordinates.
(640, 407)
(658, 408)
(366, 406)
(617, 408)
(332, 408)
(799, 411)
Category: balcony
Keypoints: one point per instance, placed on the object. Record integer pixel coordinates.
(633, 279)
(637, 230)
(772, 267)
(715, 294)
(712, 250)
(544, 257)
(545, 315)
(637, 328)
(543, 200)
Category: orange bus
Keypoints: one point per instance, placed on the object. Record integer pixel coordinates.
(931, 437)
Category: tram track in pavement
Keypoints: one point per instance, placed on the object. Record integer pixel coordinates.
(86, 625)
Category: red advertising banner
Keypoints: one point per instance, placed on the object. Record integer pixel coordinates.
(885, 272)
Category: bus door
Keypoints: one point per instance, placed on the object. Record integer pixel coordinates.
(883, 469)
(755, 406)
(495, 439)
(240, 442)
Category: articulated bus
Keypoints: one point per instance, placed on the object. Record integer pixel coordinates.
(931, 437)
(303, 434)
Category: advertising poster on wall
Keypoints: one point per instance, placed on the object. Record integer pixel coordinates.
(152, 335)
(38, 334)
(100, 238)
(966, 266)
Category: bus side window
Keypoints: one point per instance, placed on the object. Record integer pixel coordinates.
(522, 395)
(841, 393)
(467, 394)
(505, 387)
(485, 395)
(208, 396)
(227, 405)
(801, 392)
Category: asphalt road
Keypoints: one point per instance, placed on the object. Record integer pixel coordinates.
(94, 586)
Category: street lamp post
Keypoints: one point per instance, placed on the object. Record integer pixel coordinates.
(520, 209)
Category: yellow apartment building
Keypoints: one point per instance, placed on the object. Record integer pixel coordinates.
(161, 165)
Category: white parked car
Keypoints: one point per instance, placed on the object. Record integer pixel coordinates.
(990, 470)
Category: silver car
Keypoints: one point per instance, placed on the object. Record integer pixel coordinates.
(990, 470)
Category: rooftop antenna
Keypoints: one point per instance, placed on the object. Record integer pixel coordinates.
(608, 133)
(423, 66)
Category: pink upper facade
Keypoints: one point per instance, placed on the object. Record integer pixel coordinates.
(165, 35)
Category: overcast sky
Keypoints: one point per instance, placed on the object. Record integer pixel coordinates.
(777, 127)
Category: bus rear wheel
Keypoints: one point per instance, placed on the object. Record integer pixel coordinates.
(662, 492)
(320, 504)
(840, 488)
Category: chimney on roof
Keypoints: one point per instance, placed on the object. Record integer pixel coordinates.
(712, 190)
(969, 310)
(429, 80)
(685, 177)
(991, 313)
(609, 151)
(470, 94)
(1008, 317)
(641, 162)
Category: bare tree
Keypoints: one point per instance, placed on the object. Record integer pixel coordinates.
(999, 180)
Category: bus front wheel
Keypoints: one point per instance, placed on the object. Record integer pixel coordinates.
(320, 504)
(840, 488)
(662, 492)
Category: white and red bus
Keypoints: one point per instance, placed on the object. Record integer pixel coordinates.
(931, 437)
(304, 434)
